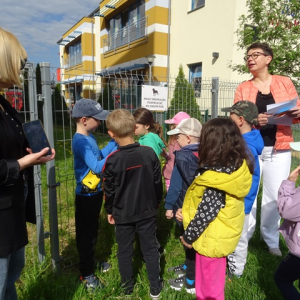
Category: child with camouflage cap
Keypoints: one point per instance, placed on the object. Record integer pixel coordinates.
(244, 114)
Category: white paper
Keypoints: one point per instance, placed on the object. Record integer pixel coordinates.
(278, 108)
(282, 120)
(295, 146)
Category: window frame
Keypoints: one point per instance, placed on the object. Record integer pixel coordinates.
(197, 7)
(193, 75)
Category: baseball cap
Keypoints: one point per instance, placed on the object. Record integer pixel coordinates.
(177, 118)
(89, 108)
(246, 109)
(190, 127)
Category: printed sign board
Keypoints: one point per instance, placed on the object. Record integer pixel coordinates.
(155, 97)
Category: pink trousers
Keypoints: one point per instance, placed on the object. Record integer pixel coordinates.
(210, 277)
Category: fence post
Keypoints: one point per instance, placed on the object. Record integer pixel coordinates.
(36, 169)
(214, 97)
(50, 166)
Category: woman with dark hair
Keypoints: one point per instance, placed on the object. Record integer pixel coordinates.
(275, 161)
(213, 208)
(16, 175)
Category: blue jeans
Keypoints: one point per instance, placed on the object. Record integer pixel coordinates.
(10, 271)
(287, 272)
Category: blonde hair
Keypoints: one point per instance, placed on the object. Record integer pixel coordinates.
(121, 123)
(12, 54)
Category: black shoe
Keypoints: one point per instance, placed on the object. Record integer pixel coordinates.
(180, 282)
(127, 290)
(91, 282)
(155, 293)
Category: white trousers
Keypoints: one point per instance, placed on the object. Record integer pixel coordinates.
(274, 168)
(237, 259)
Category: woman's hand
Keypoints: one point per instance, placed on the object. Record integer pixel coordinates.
(262, 119)
(38, 158)
(294, 112)
(184, 243)
(294, 174)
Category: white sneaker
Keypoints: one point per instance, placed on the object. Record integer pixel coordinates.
(275, 251)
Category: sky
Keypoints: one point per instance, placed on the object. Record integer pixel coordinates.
(39, 24)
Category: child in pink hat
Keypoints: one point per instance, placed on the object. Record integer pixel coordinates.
(172, 146)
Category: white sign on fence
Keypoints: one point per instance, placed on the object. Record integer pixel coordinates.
(155, 97)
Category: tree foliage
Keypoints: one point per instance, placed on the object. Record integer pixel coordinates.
(276, 22)
(184, 98)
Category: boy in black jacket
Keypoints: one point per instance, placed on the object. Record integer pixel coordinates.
(133, 190)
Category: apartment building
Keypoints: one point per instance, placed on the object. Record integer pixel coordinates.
(127, 43)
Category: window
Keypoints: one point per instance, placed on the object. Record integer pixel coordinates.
(127, 26)
(250, 34)
(197, 3)
(75, 54)
(195, 78)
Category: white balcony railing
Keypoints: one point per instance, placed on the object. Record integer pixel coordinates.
(73, 60)
(126, 35)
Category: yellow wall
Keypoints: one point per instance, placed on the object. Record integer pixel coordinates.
(153, 44)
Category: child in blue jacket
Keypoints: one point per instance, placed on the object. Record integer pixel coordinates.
(244, 114)
(88, 159)
(186, 163)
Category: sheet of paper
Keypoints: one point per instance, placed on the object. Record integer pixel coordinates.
(277, 108)
(282, 120)
(295, 146)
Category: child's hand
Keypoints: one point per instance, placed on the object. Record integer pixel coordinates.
(110, 219)
(184, 243)
(169, 214)
(179, 215)
(294, 174)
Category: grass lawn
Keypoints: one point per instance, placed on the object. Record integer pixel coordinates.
(39, 282)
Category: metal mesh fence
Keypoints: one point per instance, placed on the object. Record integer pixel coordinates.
(117, 90)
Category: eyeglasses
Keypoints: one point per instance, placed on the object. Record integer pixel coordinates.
(254, 55)
(23, 64)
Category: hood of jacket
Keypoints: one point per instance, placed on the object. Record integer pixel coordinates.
(233, 184)
(253, 138)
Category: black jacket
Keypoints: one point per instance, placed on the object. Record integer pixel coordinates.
(14, 210)
(132, 183)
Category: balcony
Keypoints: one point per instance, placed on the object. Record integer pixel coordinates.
(73, 60)
(126, 35)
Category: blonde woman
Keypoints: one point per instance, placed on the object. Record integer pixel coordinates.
(16, 176)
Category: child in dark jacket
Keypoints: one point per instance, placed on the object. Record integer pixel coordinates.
(133, 191)
(186, 163)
